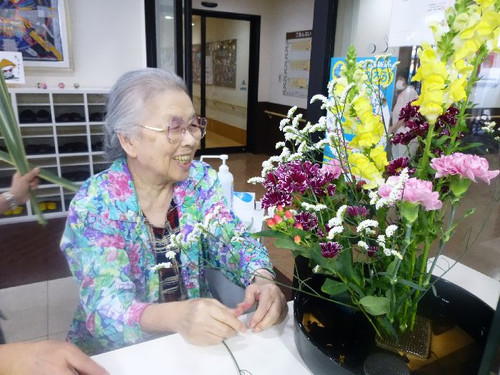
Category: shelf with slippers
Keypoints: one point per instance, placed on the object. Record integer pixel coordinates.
(62, 131)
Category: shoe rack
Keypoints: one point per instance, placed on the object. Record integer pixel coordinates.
(62, 132)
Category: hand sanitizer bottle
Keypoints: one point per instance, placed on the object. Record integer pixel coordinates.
(225, 177)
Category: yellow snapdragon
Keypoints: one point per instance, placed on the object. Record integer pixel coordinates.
(363, 167)
(433, 74)
(379, 157)
(370, 128)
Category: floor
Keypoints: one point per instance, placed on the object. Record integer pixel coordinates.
(38, 298)
(38, 311)
(213, 140)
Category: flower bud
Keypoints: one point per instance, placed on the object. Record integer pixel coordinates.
(299, 226)
(277, 218)
(296, 239)
(270, 223)
(288, 214)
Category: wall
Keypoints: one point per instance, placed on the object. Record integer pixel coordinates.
(107, 38)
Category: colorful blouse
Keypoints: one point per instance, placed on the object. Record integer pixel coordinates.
(109, 252)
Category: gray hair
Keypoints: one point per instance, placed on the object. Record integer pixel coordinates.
(126, 103)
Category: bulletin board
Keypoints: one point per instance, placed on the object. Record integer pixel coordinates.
(297, 63)
(220, 63)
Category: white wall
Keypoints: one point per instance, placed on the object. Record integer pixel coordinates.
(107, 38)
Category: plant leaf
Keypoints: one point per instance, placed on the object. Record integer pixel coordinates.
(375, 305)
(334, 287)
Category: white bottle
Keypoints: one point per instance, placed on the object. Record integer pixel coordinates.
(225, 177)
(227, 181)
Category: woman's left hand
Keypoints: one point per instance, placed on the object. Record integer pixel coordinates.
(271, 308)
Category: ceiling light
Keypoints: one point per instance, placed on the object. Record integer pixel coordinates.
(169, 17)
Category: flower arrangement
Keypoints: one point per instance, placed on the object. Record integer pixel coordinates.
(364, 220)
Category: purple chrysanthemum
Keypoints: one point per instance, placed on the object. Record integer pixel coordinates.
(274, 198)
(397, 165)
(372, 250)
(330, 249)
(357, 211)
(308, 220)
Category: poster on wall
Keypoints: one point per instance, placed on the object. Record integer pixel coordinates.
(220, 63)
(297, 63)
(385, 76)
(12, 67)
(36, 29)
(410, 20)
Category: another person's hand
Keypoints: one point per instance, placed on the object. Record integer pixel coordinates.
(22, 185)
(46, 358)
(271, 308)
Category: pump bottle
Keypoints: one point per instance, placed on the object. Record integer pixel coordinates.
(225, 177)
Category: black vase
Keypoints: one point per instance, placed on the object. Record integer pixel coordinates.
(340, 340)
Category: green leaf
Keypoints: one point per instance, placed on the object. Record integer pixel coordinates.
(412, 285)
(334, 287)
(287, 243)
(375, 305)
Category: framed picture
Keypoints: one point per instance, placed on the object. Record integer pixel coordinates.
(38, 30)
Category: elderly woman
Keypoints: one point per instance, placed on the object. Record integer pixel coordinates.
(117, 240)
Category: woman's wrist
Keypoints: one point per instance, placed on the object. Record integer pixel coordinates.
(261, 276)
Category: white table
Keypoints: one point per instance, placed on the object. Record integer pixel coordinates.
(269, 352)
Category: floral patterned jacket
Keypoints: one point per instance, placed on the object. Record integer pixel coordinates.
(107, 246)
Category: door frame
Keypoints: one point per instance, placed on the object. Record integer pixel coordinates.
(183, 48)
(253, 76)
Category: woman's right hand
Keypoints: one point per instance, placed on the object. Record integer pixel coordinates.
(201, 321)
(207, 322)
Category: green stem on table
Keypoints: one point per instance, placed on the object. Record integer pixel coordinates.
(406, 243)
(423, 266)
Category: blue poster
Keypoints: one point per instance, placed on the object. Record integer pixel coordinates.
(385, 75)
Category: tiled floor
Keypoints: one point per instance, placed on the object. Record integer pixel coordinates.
(38, 311)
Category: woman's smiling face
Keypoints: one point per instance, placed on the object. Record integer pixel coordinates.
(151, 155)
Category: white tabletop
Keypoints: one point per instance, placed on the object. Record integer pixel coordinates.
(270, 352)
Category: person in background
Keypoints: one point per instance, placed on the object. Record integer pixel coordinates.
(121, 221)
(407, 93)
(43, 357)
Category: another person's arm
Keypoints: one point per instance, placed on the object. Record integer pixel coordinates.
(19, 190)
(44, 358)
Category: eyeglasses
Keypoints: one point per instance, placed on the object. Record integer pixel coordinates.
(175, 132)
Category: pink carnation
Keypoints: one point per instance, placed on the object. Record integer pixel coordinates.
(415, 191)
(467, 166)
(333, 167)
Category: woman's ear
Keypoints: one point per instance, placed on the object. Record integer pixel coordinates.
(128, 145)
